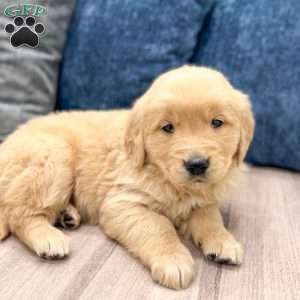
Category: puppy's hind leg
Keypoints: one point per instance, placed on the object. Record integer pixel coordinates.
(33, 202)
(39, 190)
(43, 238)
(69, 218)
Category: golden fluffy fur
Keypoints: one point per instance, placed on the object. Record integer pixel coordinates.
(122, 171)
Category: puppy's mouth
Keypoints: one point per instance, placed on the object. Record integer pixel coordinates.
(194, 179)
(199, 179)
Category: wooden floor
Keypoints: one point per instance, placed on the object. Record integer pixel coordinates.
(264, 215)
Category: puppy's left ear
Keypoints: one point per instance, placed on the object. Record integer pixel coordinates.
(247, 125)
(134, 136)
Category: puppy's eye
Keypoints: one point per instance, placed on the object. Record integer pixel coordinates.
(216, 123)
(168, 128)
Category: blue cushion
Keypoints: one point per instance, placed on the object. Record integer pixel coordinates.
(257, 45)
(116, 48)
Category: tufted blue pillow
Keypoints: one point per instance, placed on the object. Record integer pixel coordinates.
(117, 47)
(257, 45)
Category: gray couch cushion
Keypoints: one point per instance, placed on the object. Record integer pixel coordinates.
(28, 76)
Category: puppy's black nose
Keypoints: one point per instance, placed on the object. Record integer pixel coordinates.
(197, 165)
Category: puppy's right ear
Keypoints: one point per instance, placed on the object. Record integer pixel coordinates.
(247, 125)
(134, 137)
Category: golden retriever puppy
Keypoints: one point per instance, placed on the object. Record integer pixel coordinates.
(144, 175)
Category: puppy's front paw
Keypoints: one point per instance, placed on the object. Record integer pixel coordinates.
(222, 248)
(173, 271)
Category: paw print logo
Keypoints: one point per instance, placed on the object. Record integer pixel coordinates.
(25, 31)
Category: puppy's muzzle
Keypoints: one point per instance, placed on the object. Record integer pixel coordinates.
(196, 166)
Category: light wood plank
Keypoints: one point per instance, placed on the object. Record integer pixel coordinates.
(266, 218)
(29, 277)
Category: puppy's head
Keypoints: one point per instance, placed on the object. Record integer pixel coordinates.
(192, 125)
